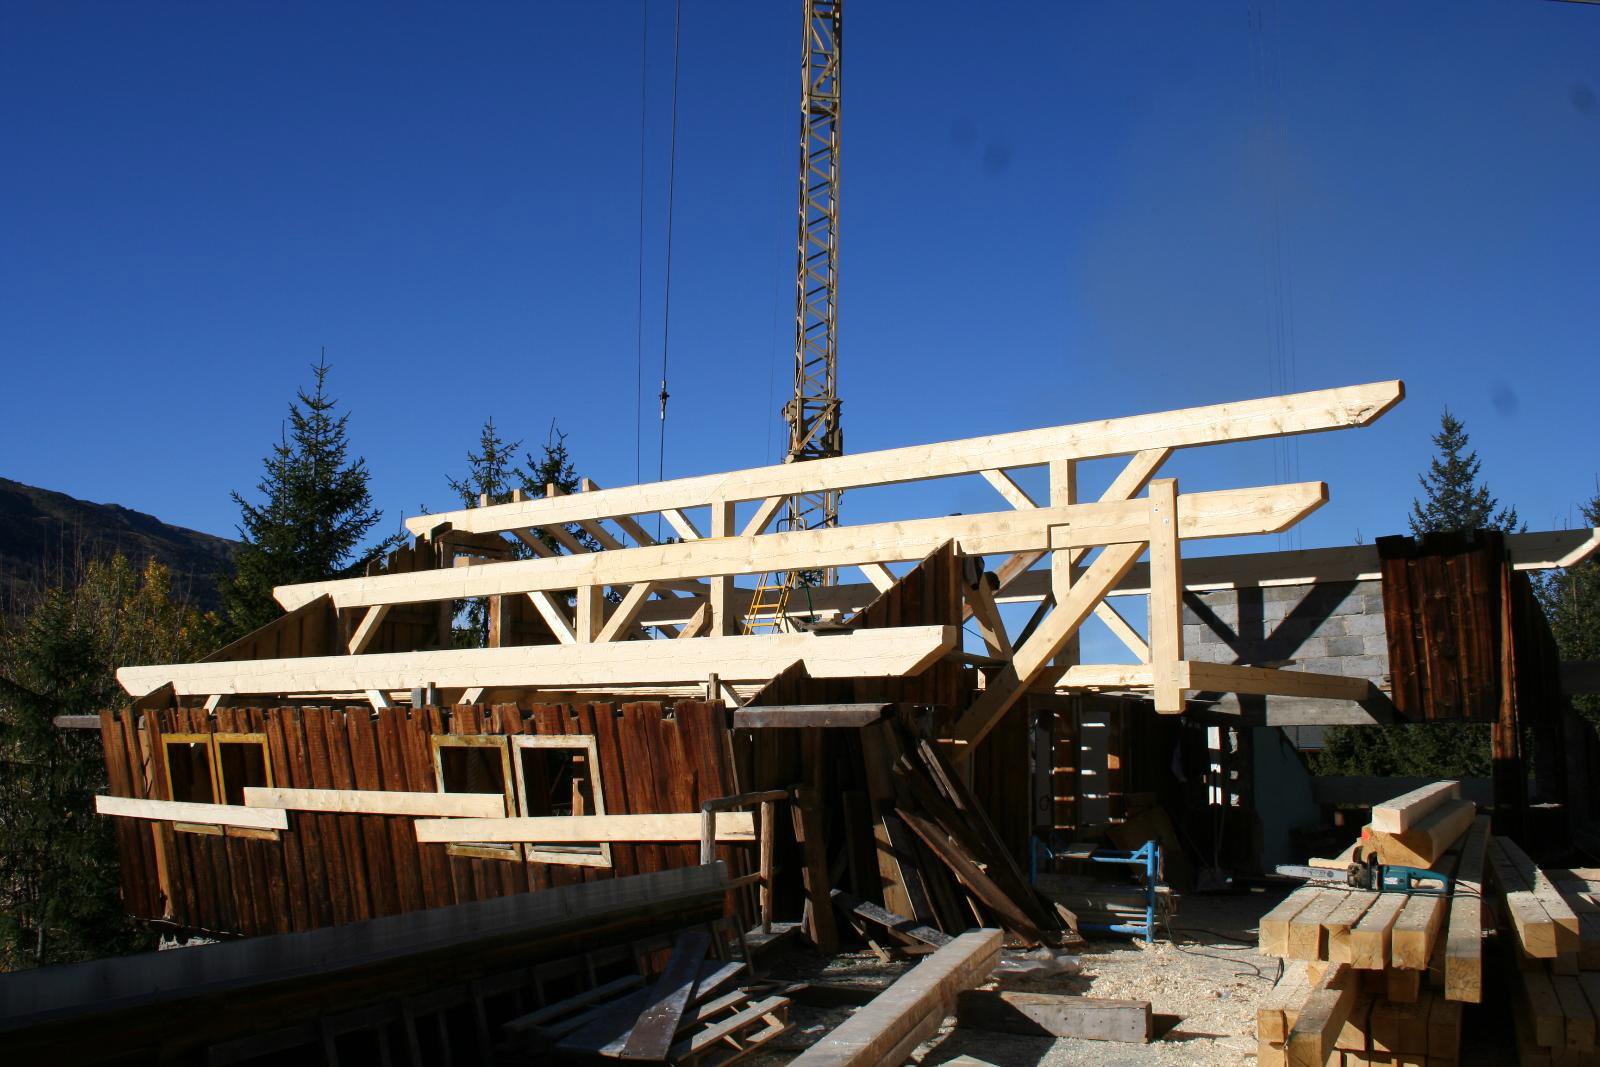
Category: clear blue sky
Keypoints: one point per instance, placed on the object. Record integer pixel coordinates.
(1052, 212)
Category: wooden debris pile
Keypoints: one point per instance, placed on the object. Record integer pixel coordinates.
(1381, 976)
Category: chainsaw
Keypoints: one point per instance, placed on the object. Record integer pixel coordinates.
(1382, 877)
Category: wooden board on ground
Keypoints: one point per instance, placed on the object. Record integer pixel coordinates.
(911, 1009)
(657, 1024)
(1054, 1015)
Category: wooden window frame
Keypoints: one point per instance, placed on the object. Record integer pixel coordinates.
(585, 743)
(495, 741)
(219, 790)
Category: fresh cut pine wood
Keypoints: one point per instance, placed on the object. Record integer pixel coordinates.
(1403, 812)
(1426, 841)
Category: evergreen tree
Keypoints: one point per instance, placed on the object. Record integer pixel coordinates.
(554, 467)
(60, 895)
(1571, 600)
(315, 511)
(492, 473)
(1455, 500)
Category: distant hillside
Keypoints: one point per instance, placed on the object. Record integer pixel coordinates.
(44, 535)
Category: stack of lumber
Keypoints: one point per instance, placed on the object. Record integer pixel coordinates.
(1379, 977)
(1555, 941)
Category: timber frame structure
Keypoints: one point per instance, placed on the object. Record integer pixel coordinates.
(674, 624)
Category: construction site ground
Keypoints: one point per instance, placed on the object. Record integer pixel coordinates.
(1203, 982)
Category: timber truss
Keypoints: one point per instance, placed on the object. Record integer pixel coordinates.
(676, 617)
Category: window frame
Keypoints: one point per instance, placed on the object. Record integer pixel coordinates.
(219, 779)
(483, 850)
(585, 743)
(219, 793)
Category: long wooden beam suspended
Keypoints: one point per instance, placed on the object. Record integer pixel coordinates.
(1276, 416)
(1540, 550)
(859, 654)
(1224, 513)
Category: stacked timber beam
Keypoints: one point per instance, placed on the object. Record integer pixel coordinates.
(1555, 957)
(1379, 977)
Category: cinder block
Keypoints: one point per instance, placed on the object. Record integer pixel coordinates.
(1376, 646)
(1346, 646)
(1365, 625)
(1362, 666)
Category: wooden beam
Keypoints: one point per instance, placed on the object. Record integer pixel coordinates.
(880, 577)
(362, 638)
(1166, 597)
(184, 811)
(1321, 1017)
(378, 802)
(1424, 843)
(657, 1024)
(555, 616)
(1403, 812)
(863, 653)
(377, 698)
(1463, 950)
(623, 615)
(76, 722)
(1034, 655)
(1123, 630)
(1279, 416)
(991, 627)
(698, 623)
(723, 618)
(589, 616)
(736, 826)
(809, 716)
(1015, 495)
(1267, 681)
(1054, 1015)
(911, 1009)
(765, 512)
(1226, 513)
(681, 523)
(1248, 570)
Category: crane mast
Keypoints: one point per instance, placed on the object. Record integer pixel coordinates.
(813, 411)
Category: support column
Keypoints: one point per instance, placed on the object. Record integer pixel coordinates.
(1166, 596)
(723, 624)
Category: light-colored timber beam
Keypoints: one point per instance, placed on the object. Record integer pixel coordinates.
(623, 615)
(1277, 416)
(379, 802)
(1541, 550)
(1123, 629)
(183, 811)
(362, 638)
(864, 653)
(555, 616)
(586, 829)
(1224, 513)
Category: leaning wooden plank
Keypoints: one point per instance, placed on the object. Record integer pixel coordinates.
(924, 994)
(657, 1024)
(908, 929)
(563, 829)
(1463, 951)
(378, 802)
(863, 653)
(1054, 1015)
(970, 873)
(1403, 812)
(1412, 935)
(574, 1004)
(1273, 930)
(1321, 1018)
(185, 811)
(772, 1009)
(1220, 513)
(1425, 842)
(1327, 409)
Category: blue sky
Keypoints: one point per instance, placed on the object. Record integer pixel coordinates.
(1051, 213)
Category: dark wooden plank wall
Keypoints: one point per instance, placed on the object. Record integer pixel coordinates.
(335, 868)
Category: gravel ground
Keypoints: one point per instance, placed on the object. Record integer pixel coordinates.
(1203, 987)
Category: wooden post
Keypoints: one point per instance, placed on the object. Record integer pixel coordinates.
(821, 928)
(1166, 596)
(723, 622)
(1064, 491)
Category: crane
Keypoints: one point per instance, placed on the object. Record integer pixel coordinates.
(812, 412)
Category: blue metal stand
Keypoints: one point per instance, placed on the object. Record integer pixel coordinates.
(1147, 857)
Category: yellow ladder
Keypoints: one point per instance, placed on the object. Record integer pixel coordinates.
(768, 606)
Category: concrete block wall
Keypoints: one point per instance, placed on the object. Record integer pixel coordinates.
(1329, 628)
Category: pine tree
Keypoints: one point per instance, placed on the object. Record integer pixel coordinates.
(1571, 600)
(492, 473)
(1455, 500)
(60, 896)
(554, 467)
(315, 511)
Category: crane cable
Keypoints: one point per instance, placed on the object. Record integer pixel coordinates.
(638, 320)
(672, 185)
